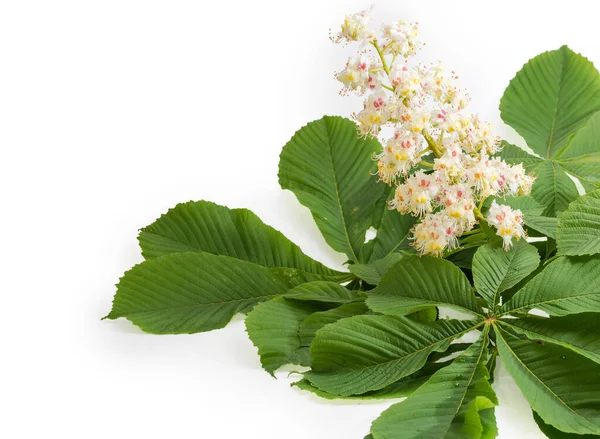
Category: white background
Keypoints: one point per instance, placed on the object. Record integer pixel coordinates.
(113, 111)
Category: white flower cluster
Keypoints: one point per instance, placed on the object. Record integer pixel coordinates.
(439, 155)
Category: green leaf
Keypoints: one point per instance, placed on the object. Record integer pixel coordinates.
(415, 283)
(311, 324)
(202, 226)
(330, 170)
(553, 188)
(544, 224)
(365, 353)
(581, 157)
(578, 332)
(430, 411)
(399, 389)
(553, 433)
(579, 227)
(514, 155)
(373, 271)
(561, 386)
(496, 270)
(273, 328)
(393, 232)
(184, 293)
(565, 286)
(322, 291)
(550, 99)
(476, 418)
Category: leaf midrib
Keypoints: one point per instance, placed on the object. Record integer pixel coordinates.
(337, 192)
(532, 305)
(560, 84)
(474, 327)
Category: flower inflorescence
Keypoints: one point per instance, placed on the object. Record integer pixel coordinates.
(427, 113)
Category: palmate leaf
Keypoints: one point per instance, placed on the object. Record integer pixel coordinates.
(431, 410)
(202, 226)
(561, 386)
(329, 169)
(496, 270)
(184, 293)
(578, 332)
(550, 99)
(579, 227)
(568, 285)
(273, 328)
(416, 283)
(366, 353)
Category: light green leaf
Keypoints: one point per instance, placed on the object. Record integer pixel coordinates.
(273, 328)
(579, 227)
(416, 283)
(365, 353)
(561, 386)
(578, 332)
(202, 226)
(567, 285)
(553, 188)
(496, 270)
(184, 293)
(373, 271)
(550, 99)
(553, 433)
(581, 158)
(514, 155)
(430, 411)
(322, 291)
(311, 324)
(330, 170)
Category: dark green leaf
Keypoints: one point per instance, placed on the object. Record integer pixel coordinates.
(579, 227)
(578, 332)
(273, 328)
(553, 188)
(430, 411)
(415, 283)
(311, 324)
(553, 433)
(373, 271)
(365, 353)
(568, 285)
(322, 291)
(582, 157)
(563, 387)
(496, 270)
(184, 293)
(202, 226)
